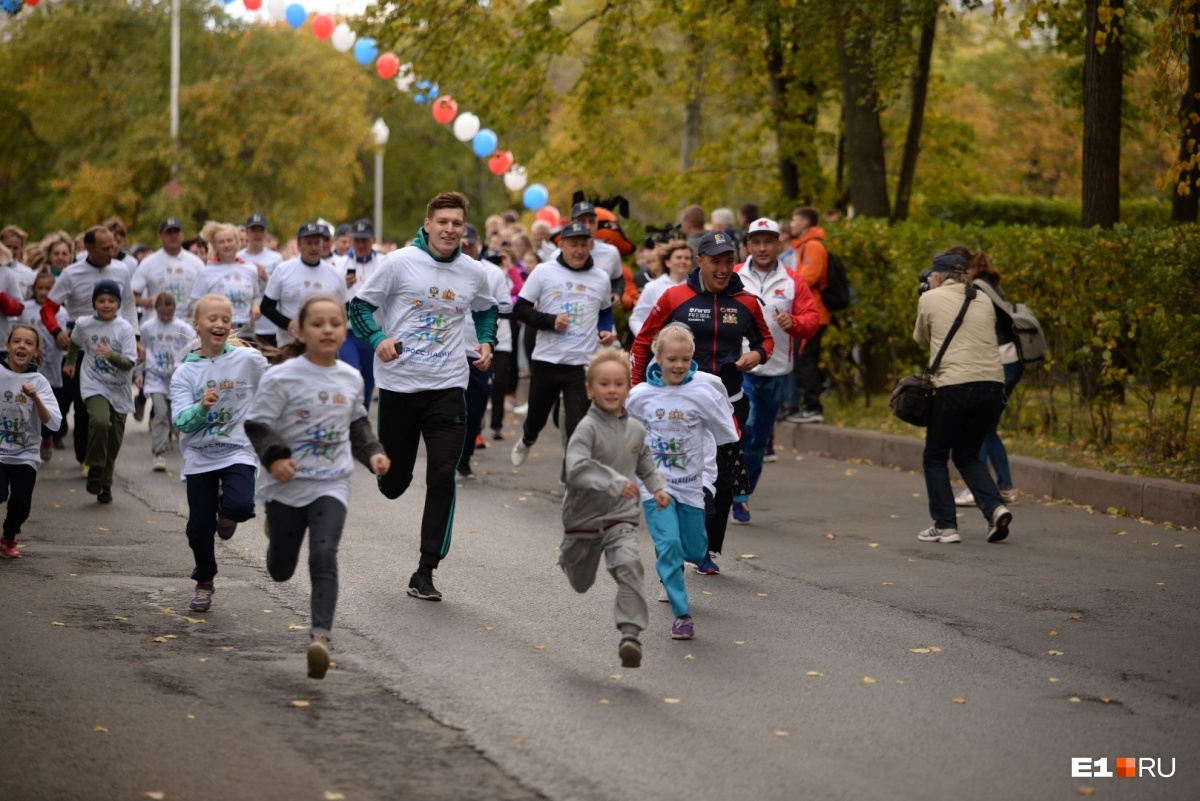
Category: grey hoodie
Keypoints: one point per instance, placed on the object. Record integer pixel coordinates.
(602, 456)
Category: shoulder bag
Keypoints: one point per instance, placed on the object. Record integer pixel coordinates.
(912, 399)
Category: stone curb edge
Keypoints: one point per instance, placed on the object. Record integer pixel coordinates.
(1158, 499)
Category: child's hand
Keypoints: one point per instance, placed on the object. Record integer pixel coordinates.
(69, 370)
(662, 499)
(630, 492)
(138, 381)
(380, 464)
(29, 390)
(607, 338)
(211, 396)
(103, 351)
(282, 470)
(63, 339)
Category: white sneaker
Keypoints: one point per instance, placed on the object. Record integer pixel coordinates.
(998, 528)
(522, 409)
(520, 452)
(935, 534)
(770, 458)
(662, 594)
(1008, 495)
(964, 498)
(160, 464)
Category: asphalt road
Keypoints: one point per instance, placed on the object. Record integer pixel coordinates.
(1076, 637)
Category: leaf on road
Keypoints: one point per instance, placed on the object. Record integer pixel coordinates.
(56, 506)
(739, 642)
(296, 627)
(518, 740)
(916, 495)
(850, 471)
(330, 795)
(268, 611)
(1105, 700)
(204, 659)
(671, 700)
(814, 673)
(168, 610)
(522, 498)
(900, 681)
(299, 704)
(748, 555)
(689, 656)
(102, 528)
(960, 700)
(191, 717)
(872, 544)
(1052, 652)
(1088, 791)
(241, 549)
(155, 795)
(1075, 699)
(761, 594)
(539, 648)
(868, 680)
(615, 677)
(56, 623)
(1053, 633)
(603, 702)
(1055, 679)
(228, 648)
(935, 649)
(919, 651)
(193, 620)
(1075, 617)
(887, 584)
(99, 728)
(159, 639)
(780, 733)
(1180, 545)
(489, 628)
(705, 592)
(831, 536)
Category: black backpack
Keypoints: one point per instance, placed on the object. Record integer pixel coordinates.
(836, 294)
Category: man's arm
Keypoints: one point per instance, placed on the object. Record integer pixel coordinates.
(805, 317)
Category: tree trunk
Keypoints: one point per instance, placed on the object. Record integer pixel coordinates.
(1184, 207)
(693, 106)
(1102, 114)
(920, 90)
(864, 133)
(780, 84)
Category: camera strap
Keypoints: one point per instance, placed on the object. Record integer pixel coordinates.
(931, 371)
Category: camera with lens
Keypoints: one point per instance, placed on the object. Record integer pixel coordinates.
(924, 278)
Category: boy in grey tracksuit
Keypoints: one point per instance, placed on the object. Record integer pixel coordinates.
(600, 509)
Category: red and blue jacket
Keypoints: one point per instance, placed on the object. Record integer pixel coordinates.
(719, 322)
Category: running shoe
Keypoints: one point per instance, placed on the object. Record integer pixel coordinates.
(93, 484)
(465, 472)
(160, 464)
(480, 444)
(8, 549)
(1008, 495)
(318, 657)
(496, 435)
(998, 528)
(520, 452)
(964, 498)
(47, 451)
(935, 534)
(682, 628)
(663, 598)
(522, 409)
(225, 526)
(806, 416)
(769, 457)
(708, 565)
(741, 513)
(202, 597)
(421, 586)
(105, 495)
(630, 651)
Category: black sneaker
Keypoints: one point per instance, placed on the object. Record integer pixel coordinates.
(226, 528)
(421, 586)
(94, 486)
(465, 472)
(105, 495)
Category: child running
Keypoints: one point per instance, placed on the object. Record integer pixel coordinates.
(105, 382)
(308, 425)
(600, 509)
(680, 408)
(26, 404)
(51, 358)
(165, 339)
(211, 393)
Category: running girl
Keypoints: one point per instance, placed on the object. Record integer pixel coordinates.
(51, 358)
(308, 425)
(679, 407)
(26, 404)
(166, 339)
(211, 393)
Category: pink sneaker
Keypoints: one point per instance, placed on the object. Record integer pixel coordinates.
(8, 549)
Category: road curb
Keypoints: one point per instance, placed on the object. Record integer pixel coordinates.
(1158, 499)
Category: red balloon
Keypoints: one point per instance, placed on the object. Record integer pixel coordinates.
(252, 5)
(500, 162)
(31, 2)
(387, 65)
(550, 216)
(445, 109)
(322, 24)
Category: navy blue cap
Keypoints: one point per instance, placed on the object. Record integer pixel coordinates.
(343, 229)
(470, 234)
(575, 229)
(362, 230)
(106, 286)
(312, 229)
(256, 220)
(714, 243)
(581, 208)
(170, 224)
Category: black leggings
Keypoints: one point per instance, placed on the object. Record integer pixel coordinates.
(16, 488)
(731, 480)
(324, 520)
(547, 381)
(502, 368)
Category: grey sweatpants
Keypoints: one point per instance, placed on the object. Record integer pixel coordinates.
(579, 558)
(160, 423)
(324, 519)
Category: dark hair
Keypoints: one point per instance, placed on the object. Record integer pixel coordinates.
(37, 343)
(115, 225)
(188, 243)
(446, 200)
(89, 236)
(43, 274)
(693, 216)
(296, 347)
(164, 298)
(808, 213)
(749, 212)
(978, 264)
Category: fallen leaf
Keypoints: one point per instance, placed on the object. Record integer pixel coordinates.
(887, 584)
(739, 642)
(762, 595)
(102, 528)
(268, 611)
(301, 704)
(868, 680)
(960, 700)
(330, 795)
(171, 636)
(1075, 617)
(1105, 700)
(916, 495)
(831, 536)
(919, 651)
(118, 617)
(851, 471)
(1075, 699)
(1055, 679)
(872, 544)
(1180, 545)
(1053, 633)
(241, 549)
(780, 733)
(332, 664)
(1154, 543)
(603, 702)
(1088, 791)
(670, 700)
(705, 592)
(296, 627)
(204, 659)
(191, 717)
(748, 555)
(99, 728)
(56, 623)
(522, 498)
(615, 677)
(168, 610)
(814, 673)
(894, 517)
(56, 506)
(159, 639)
(194, 620)
(155, 795)
(689, 656)
(489, 628)
(935, 649)
(899, 681)
(228, 648)
(539, 648)
(518, 740)
(470, 531)
(73, 575)
(1055, 653)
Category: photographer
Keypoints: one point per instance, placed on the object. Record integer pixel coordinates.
(969, 391)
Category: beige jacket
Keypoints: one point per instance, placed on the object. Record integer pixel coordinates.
(973, 354)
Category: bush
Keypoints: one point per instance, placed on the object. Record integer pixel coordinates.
(1044, 212)
(1121, 311)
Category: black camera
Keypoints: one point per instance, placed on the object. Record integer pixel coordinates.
(662, 235)
(924, 278)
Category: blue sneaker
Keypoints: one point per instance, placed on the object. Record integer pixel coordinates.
(708, 566)
(741, 513)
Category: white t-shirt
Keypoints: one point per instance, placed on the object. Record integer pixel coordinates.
(677, 420)
(362, 270)
(20, 427)
(73, 289)
(294, 281)
(426, 308)
(268, 260)
(221, 441)
(25, 276)
(555, 289)
(162, 272)
(237, 281)
(651, 292)
(52, 354)
(501, 289)
(99, 376)
(10, 286)
(165, 344)
(312, 408)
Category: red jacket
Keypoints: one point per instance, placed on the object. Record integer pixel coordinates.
(782, 291)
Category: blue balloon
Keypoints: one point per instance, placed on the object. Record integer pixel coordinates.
(296, 15)
(364, 51)
(433, 92)
(423, 85)
(418, 98)
(535, 197)
(484, 143)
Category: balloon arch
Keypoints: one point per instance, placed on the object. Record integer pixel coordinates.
(466, 126)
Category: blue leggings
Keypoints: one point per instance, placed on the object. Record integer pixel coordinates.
(679, 534)
(993, 449)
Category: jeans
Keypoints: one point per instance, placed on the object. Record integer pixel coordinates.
(993, 447)
(766, 394)
(361, 357)
(230, 489)
(324, 519)
(16, 489)
(962, 414)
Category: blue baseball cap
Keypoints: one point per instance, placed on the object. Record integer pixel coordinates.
(312, 229)
(575, 229)
(362, 230)
(714, 243)
(256, 220)
(170, 224)
(581, 208)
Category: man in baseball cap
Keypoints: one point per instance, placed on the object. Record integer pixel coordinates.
(606, 256)
(265, 260)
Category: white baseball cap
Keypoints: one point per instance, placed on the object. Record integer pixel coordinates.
(763, 225)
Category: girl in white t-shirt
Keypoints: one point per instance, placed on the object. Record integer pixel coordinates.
(26, 404)
(51, 357)
(166, 339)
(211, 393)
(229, 276)
(308, 425)
(683, 410)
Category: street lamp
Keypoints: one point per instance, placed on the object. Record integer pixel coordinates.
(380, 133)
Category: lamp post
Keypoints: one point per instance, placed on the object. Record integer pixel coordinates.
(380, 133)
(174, 95)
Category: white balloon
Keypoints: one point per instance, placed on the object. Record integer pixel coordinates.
(466, 126)
(516, 178)
(343, 38)
(277, 8)
(405, 78)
